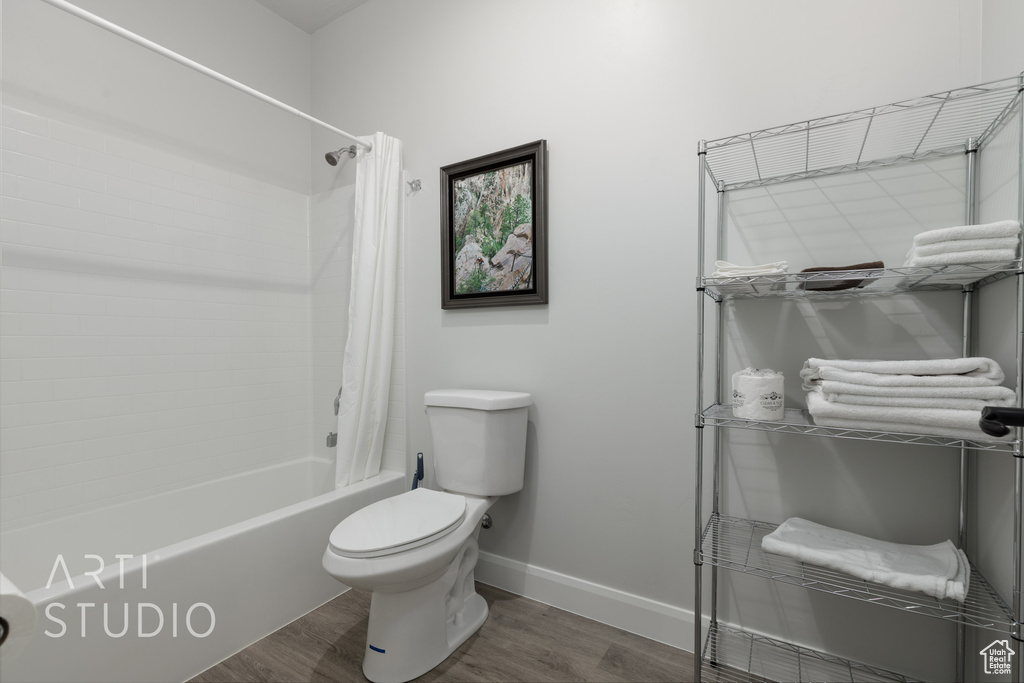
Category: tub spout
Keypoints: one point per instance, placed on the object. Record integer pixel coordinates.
(332, 440)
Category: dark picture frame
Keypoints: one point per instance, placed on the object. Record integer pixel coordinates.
(494, 229)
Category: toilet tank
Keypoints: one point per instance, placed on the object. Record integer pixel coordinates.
(479, 439)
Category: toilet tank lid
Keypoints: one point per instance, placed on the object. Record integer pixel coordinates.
(477, 399)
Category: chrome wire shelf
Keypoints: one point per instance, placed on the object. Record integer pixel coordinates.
(932, 126)
(877, 142)
(874, 281)
(798, 421)
(734, 656)
(735, 544)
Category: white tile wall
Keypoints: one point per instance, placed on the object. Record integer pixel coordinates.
(330, 248)
(162, 322)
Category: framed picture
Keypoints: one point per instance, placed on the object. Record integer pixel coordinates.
(493, 229)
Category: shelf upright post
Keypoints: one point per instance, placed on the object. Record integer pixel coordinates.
(698, 620)
(1018, 461)
(719, 370)
(970, 218)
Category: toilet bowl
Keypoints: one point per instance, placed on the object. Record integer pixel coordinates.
(424, 604)
(417, 551)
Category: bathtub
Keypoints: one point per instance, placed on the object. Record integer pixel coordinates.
(204, 571)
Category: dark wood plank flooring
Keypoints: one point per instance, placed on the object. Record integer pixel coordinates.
(522, 640)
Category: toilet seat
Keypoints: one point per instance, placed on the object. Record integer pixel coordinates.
(400, 523)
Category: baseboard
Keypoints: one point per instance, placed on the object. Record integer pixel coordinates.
(649, 618)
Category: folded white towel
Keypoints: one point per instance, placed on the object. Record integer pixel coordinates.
(951, 258)
(1007, 228)
(956, 246)
(961, 419)
(906, 428)
(957, 424)
(873, 379)
(904, 372)
(726, 269)
(939, 570)
(989, 395)
(915, 402)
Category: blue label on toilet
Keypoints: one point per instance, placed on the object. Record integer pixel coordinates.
(375, 649)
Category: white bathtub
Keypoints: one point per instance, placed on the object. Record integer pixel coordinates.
(222, 564)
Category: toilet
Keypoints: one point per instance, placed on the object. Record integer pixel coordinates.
(416, 552)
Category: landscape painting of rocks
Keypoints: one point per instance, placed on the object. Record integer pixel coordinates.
(492, 228)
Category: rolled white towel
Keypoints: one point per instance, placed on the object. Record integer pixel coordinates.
(967, 368)
(957, 246)
(726, 269)
(1007, 228)
(950, 258)
(940, 570)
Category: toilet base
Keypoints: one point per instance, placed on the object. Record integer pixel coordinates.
(411, 632)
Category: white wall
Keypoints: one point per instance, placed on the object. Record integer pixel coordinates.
(622, 91)
(155, 316)
(170, 290)
(155, 253)
(1002, 52)
(58, 64)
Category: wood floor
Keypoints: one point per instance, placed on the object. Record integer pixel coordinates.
(522, 640)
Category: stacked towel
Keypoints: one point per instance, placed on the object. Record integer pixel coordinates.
(726, 269)
(986, 243)
(927, 372)
(943, 397)
(940, 570)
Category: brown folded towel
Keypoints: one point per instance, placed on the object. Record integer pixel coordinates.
(832, 285)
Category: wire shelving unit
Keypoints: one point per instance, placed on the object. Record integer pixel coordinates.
(914, 130)
(858, 283)
(799, 421)
(735, 544)
(955, 122)
(735, 656)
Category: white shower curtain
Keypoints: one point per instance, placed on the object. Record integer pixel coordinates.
(366, 370)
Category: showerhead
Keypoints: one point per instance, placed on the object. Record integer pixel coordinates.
(333, 157)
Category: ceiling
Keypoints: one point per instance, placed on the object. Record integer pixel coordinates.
(310, 15)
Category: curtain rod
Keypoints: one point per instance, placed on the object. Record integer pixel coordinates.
(196, 66)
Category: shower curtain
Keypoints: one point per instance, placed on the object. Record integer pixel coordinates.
(366, 369)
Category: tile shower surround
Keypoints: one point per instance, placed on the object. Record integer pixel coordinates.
(162, 322)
